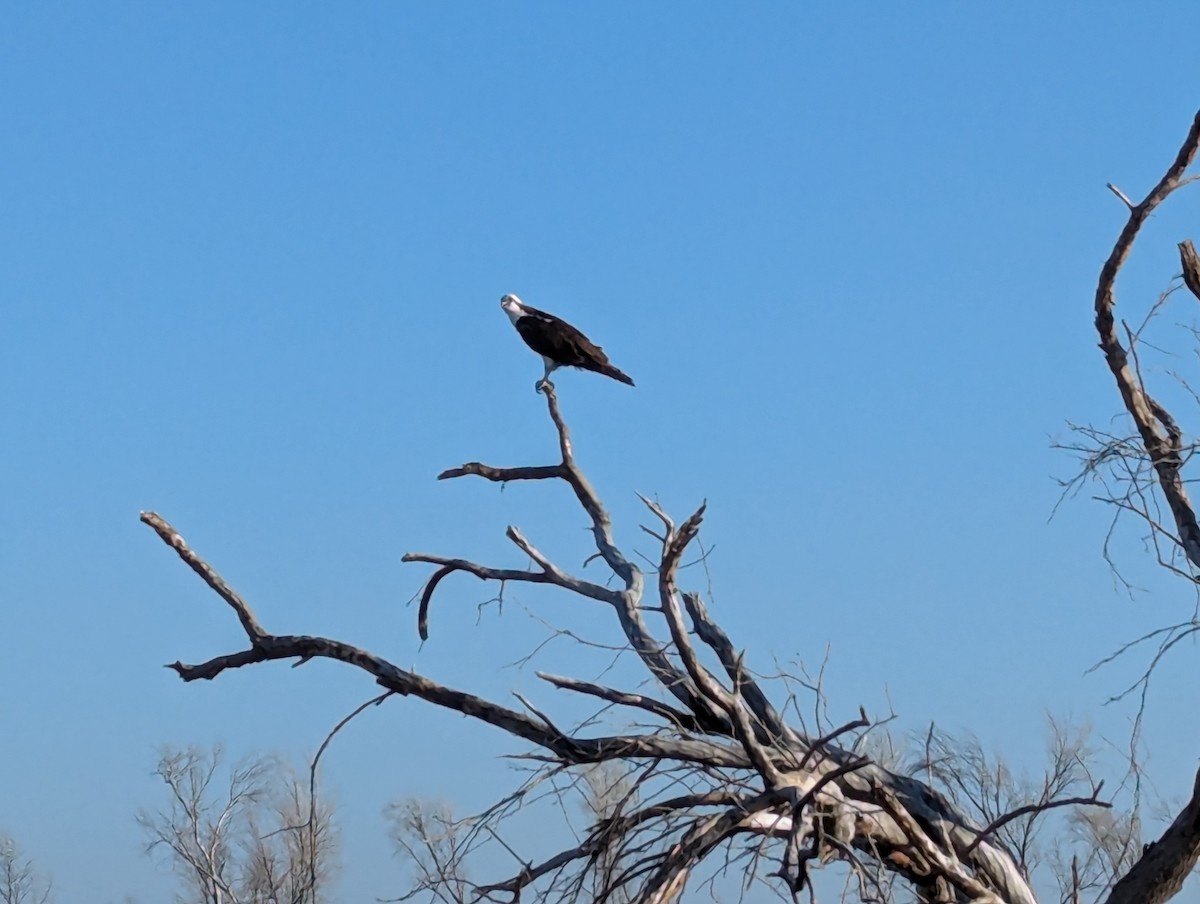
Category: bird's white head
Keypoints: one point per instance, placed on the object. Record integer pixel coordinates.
(512, 307)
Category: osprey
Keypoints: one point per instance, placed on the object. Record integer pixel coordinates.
(559, 343)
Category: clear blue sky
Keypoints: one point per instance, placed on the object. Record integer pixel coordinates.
(250, 264)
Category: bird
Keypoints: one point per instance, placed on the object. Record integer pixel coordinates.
(559, 343)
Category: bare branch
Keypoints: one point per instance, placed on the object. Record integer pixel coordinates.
(560, 577)
(1091, 800)
(401, 681)
(550, 574)
(861, 722)
(502, 475)
(1120, 194)
(172, 538)
(718, 641)
(1147, 414)
(676, 717)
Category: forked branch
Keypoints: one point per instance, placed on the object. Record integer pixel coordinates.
(1160, 438)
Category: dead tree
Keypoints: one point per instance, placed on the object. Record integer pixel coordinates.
(717, 766)
(20, 881)
(743, 770)
(247, 834)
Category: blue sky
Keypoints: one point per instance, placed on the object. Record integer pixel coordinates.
(251, 259)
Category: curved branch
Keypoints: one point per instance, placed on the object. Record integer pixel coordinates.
(999, 822)
(427, 595)
(449, 566)
(550, 574)
(1163, 448)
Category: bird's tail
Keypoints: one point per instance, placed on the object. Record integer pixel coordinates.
(609, 371)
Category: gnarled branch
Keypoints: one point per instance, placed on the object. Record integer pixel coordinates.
(1159, 436)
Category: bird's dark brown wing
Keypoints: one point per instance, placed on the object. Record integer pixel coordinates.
(557, 340)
